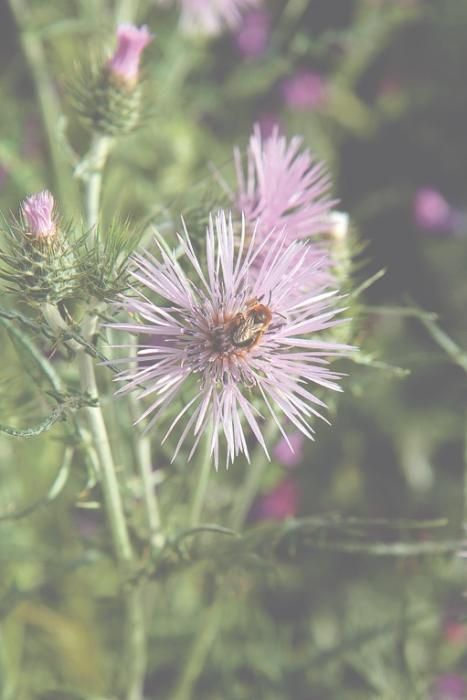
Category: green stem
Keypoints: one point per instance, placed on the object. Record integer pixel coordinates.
(249, 489)
(90, 169)
(125, 11)
(120, 536)
(204, 470)
(48, 100)
(135, 642)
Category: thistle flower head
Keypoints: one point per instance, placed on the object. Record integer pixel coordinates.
(242, 343)
(211, 17)
(284, 188)
(131, 41)
(37, 212)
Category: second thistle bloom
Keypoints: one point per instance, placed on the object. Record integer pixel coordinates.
(243, 345)
(284, 188)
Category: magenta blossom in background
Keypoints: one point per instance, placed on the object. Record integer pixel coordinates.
(37, 212)
(230, 339)
(306, 90)
(131, 41)
(289, 453)
(449, 686)
(252, 36)
(431, 211)
(279, 503)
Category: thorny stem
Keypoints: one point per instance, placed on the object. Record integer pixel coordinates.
(205, 465)
(50, 105)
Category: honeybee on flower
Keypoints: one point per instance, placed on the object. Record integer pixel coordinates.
(251, 342)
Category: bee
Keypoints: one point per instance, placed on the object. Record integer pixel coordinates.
(246, 329)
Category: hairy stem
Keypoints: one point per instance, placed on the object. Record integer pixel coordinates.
(90, 169)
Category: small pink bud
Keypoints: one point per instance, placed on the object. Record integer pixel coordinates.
(38, 215)
(306, 90)
(124, 64)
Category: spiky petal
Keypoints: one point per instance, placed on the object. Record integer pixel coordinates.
(37, 211)
(199, 349)
(131, 41)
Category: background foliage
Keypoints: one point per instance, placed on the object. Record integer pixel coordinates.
(356, 602)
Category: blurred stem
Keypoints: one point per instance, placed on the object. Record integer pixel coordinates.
(204, 470)
(200, 649)
(125, 10)
(249, 489)
(142, 445)
(49, 103)
(134, 669)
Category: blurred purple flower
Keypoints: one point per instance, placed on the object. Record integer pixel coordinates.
(449, 686)
(241, 337)
(306, 90)
(253, 34)
(211, 17)
(131, 41)
(431, 211)
(37, 212)
(289, 453)
(280, 503)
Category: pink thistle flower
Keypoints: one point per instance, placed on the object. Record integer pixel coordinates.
(211, 17)
(131, 41)
(289, 452)
(38, 215)
(280, 503)
(234, 338)
(306, 90)
(252, 36)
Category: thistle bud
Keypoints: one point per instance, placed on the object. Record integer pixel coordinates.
(109, 96)
(37, 258)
